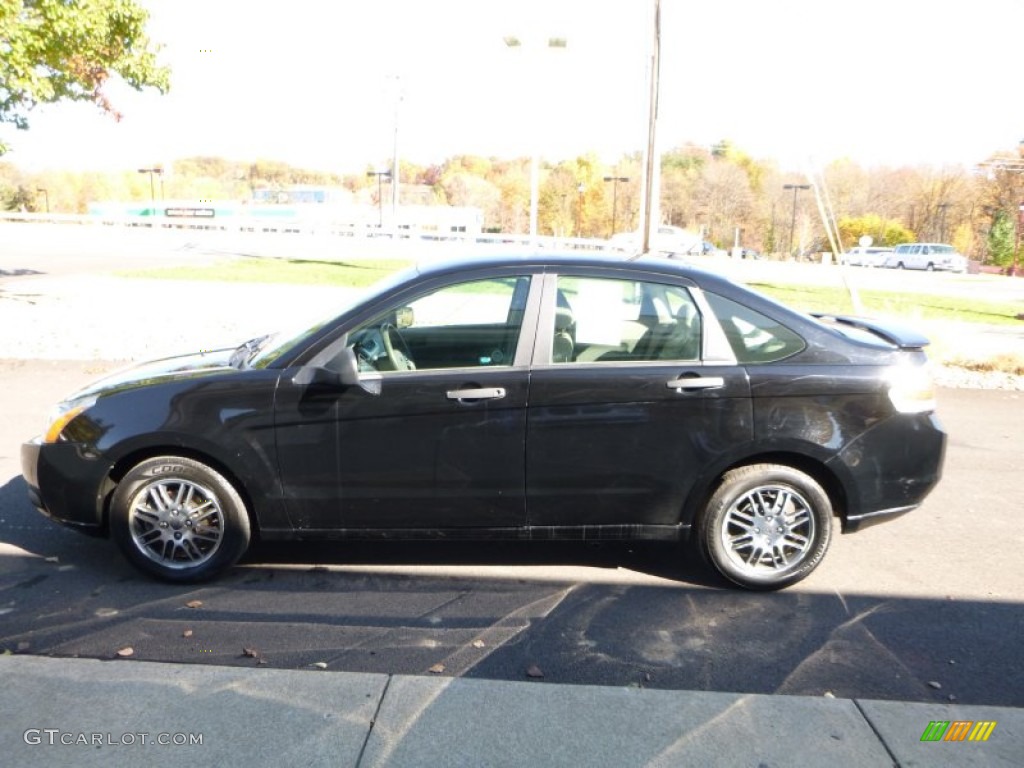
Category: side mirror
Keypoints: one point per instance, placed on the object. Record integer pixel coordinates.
(345, 374)
(350, 375)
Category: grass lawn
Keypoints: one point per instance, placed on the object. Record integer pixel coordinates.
(833, 300)
(355, 274)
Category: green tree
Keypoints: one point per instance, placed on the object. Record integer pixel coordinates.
(67, 50)
(1001, 239)
(20, 199)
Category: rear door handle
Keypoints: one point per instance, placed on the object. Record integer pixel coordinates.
(485, 393)
(696, 382)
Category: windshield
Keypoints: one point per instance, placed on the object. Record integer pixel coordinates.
(261, 352)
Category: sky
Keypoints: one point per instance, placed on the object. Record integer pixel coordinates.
(320, 83)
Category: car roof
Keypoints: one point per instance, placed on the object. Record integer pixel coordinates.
(556, 260)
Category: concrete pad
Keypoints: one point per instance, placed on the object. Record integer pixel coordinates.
(111, 713)
(901, 726)
(454, 722)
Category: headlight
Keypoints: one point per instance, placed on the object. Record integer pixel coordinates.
(62, 414)
(912, 389)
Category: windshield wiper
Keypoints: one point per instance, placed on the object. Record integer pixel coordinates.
(246, 350)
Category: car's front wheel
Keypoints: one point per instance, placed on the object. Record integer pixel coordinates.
(178, 519)
(766, 526)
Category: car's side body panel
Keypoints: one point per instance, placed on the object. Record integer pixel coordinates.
(410, 457)
(613, 449)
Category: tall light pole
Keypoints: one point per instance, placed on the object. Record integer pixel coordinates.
(380, 201)
(651, 164)
(942, 220)
(395, 174)
(579, 210)
(792, 222)
(157, 170)
(615, 195)
(553, 43)
(46, 197)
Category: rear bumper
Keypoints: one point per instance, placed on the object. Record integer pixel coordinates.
(891, 468)
(866, 520)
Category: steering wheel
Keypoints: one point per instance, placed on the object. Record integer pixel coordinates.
(395, 348)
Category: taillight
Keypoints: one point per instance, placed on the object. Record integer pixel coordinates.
(912, 388)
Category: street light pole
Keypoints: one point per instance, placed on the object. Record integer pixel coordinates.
(792, 222)
(615, 194)
(554, 43)
(942, 220)
(380, 200)
(46, 197)
(152, 187)
(579, 210)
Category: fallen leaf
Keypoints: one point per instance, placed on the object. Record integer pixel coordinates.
(437, 669)
(478, 643)
(319, 665)
(126, 651)
(934, 684)
(24, 645)
(261, 661)
(53, 559)
(194, 604)
(251, 653)
(534, 671)
(187, 633)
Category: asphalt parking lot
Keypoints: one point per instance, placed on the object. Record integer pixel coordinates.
(926, 608)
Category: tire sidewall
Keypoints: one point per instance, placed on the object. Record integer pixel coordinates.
(237, 528)
(734, 485)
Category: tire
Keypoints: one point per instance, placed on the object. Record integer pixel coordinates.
(900, 265)
(930, 267)
(178, 519)
(764, 559)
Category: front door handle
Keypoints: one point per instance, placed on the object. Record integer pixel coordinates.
(696, 382)
(485, 393)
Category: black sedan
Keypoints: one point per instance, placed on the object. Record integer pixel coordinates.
(530, 398)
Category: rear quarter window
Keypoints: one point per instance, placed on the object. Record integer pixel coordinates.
(754, 337)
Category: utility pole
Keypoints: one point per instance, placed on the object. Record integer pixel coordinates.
(792, 223)
(615, 195)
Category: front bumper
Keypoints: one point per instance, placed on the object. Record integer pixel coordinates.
(66, 485)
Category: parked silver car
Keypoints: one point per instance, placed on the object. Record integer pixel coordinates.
(928, 256)
(866, 257)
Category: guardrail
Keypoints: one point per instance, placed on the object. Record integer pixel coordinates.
(304, 227)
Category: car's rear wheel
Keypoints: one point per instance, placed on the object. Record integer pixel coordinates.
(766, 526)
(178, 519)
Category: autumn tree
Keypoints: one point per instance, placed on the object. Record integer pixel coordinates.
(67, 50)
(884, 232)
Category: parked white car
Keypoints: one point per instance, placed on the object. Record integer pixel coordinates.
(866, 257)
(667, 240)
(929, 256)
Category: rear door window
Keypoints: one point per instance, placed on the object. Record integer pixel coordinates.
(754, 337)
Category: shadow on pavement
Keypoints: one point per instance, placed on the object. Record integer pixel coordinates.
(65, 594)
